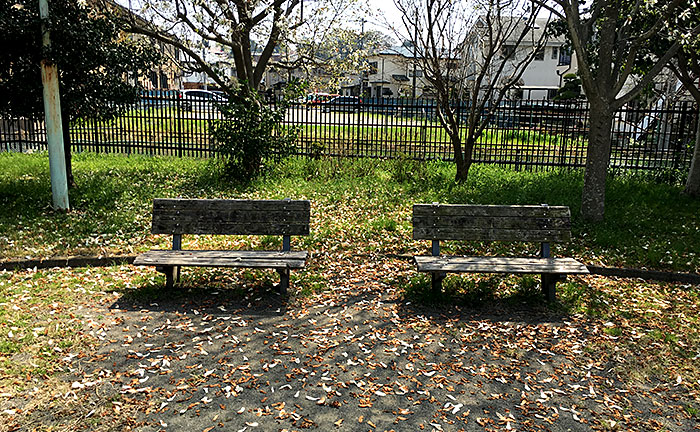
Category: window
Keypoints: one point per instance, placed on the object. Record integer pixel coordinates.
(373, 67)
(564, 57)
(163, 80)
(508, 51)
(154, 79)
(555, 53)
(539, 54)
(419, 73)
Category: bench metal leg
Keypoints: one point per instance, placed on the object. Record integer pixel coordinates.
(549, 285)
(172, 275)
(437, 281)
(284, 281)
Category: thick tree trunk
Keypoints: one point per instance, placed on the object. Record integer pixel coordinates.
(692, 185)
(462, 158)
(597, 160)
(65, 123)
(466, 159)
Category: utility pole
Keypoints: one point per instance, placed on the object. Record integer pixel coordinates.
(362, 47)
(205, 46)
(52, 117)
(415, 58)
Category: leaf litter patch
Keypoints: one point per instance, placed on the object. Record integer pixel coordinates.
(356, 355)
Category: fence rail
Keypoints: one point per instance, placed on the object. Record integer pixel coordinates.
(532, 135)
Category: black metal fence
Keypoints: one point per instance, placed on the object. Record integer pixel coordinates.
(531, 135)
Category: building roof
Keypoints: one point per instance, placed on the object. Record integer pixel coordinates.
(404, 50)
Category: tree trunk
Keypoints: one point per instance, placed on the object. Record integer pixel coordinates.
(462, 161)
(597, 160)
(692, 185)
(65, 123)
(463, 173)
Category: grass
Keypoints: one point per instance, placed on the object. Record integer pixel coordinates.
(361, 210)
(648, 224)
(377, 135)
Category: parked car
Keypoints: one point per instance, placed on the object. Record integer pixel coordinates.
(202, 95)
(342, 103)
(200, 99)
(159, 98)
(316, 99)
(220, 94)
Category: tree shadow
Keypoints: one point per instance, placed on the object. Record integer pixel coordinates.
(212, 292)
(477, 298)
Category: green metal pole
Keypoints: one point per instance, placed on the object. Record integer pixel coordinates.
(52, 114)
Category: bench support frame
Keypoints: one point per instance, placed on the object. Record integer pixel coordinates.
(437, 277)
(179, 216)
(542, 224)
(548, 280)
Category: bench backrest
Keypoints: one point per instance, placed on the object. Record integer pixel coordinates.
(223, 216)
(531, 223)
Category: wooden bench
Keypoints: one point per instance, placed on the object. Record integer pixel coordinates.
(531, 223)
(228, 217)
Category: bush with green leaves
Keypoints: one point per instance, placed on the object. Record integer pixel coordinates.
(571, 89)
(250, 136)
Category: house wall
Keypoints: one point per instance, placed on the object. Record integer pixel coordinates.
(542, 77)
(383, 78)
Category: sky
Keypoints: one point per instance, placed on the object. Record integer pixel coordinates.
(384, 13)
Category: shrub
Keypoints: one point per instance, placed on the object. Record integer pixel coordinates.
(251, 134)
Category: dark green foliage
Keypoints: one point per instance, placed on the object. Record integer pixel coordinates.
(251, 133)
(571, 88)
(97, 65)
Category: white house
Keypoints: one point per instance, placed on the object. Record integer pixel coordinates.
(544, 75)
(395, 72)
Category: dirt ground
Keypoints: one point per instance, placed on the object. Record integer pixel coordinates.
(357, 357)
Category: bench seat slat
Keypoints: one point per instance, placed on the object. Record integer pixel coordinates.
(222, 258)
(460, 264)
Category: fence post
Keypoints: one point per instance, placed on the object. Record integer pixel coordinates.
(678, 149)
(178, 126)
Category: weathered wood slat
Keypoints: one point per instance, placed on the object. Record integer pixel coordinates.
(202, 258)
(453, 233)
(227, 228)
(236, 253)
(422, 210)
(230, 204)
(244, 217)
(492, 222)
(457, 264)
(238, 216)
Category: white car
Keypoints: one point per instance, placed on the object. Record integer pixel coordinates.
(200, 99)
(202, 95)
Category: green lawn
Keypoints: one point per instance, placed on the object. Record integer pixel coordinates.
(647, 224)
(361, 212)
